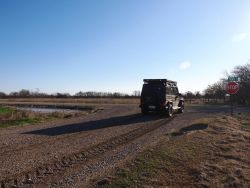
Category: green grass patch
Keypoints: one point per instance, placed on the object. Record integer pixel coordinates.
(5, 110)
(147, 166)
(142, 169)
(20, 122)
(10, 117)
(245, 126)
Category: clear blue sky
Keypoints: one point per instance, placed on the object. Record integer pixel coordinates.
(111, 45)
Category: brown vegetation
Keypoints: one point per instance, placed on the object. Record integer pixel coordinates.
(10, 116)
(215, 157)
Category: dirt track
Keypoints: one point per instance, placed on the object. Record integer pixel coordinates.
(69, 153)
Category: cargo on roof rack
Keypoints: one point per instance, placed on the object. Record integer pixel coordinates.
(164, 81)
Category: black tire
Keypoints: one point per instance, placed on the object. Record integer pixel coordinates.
(170, 110)
(144, 111)
(181, 110)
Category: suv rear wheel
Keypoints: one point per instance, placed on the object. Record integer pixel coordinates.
(181, 110)
(170, 110)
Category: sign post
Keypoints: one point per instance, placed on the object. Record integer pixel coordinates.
(232, 105)
(232, 88)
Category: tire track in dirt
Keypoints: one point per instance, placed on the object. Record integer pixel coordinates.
(6, 149)
(22, 141)
(34, 175)
(19, 161)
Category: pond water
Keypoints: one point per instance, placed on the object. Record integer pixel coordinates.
(46, 110)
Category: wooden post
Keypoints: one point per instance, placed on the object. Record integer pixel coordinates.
(232, 107)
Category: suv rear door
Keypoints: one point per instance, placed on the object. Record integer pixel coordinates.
(153, 94)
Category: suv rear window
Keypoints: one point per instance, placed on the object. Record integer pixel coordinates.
(176, 91)
(170, 90)
(152, 87)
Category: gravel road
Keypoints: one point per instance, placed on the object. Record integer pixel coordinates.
(69, 153)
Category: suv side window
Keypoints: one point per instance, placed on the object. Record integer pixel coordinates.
(169, 90)
(175, 89)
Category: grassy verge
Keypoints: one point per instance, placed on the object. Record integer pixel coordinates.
(245, 121)
(217, 156)
(10, 116)
(145, 169)
(4, 110)
(246, 126)
(26, 121)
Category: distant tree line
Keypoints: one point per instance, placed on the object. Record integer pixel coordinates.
(192, 95)
(24, 93)
(213, 92)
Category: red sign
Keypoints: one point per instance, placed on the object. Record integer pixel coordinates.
(232, 88)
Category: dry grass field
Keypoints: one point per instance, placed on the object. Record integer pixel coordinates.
(70, 101)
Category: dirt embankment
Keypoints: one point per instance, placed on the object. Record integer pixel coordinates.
(212, 152)
(185, 150)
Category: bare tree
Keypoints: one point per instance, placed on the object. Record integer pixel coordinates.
(24, 93)
(136, 93)
(197, 95)
(217, 90)
(2, 95)
(243, 72)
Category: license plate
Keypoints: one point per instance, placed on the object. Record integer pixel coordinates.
(151, 107)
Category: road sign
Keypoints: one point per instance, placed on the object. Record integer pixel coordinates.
(232, 88)
(233, 79)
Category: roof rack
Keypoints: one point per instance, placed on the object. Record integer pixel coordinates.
(164, 81)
